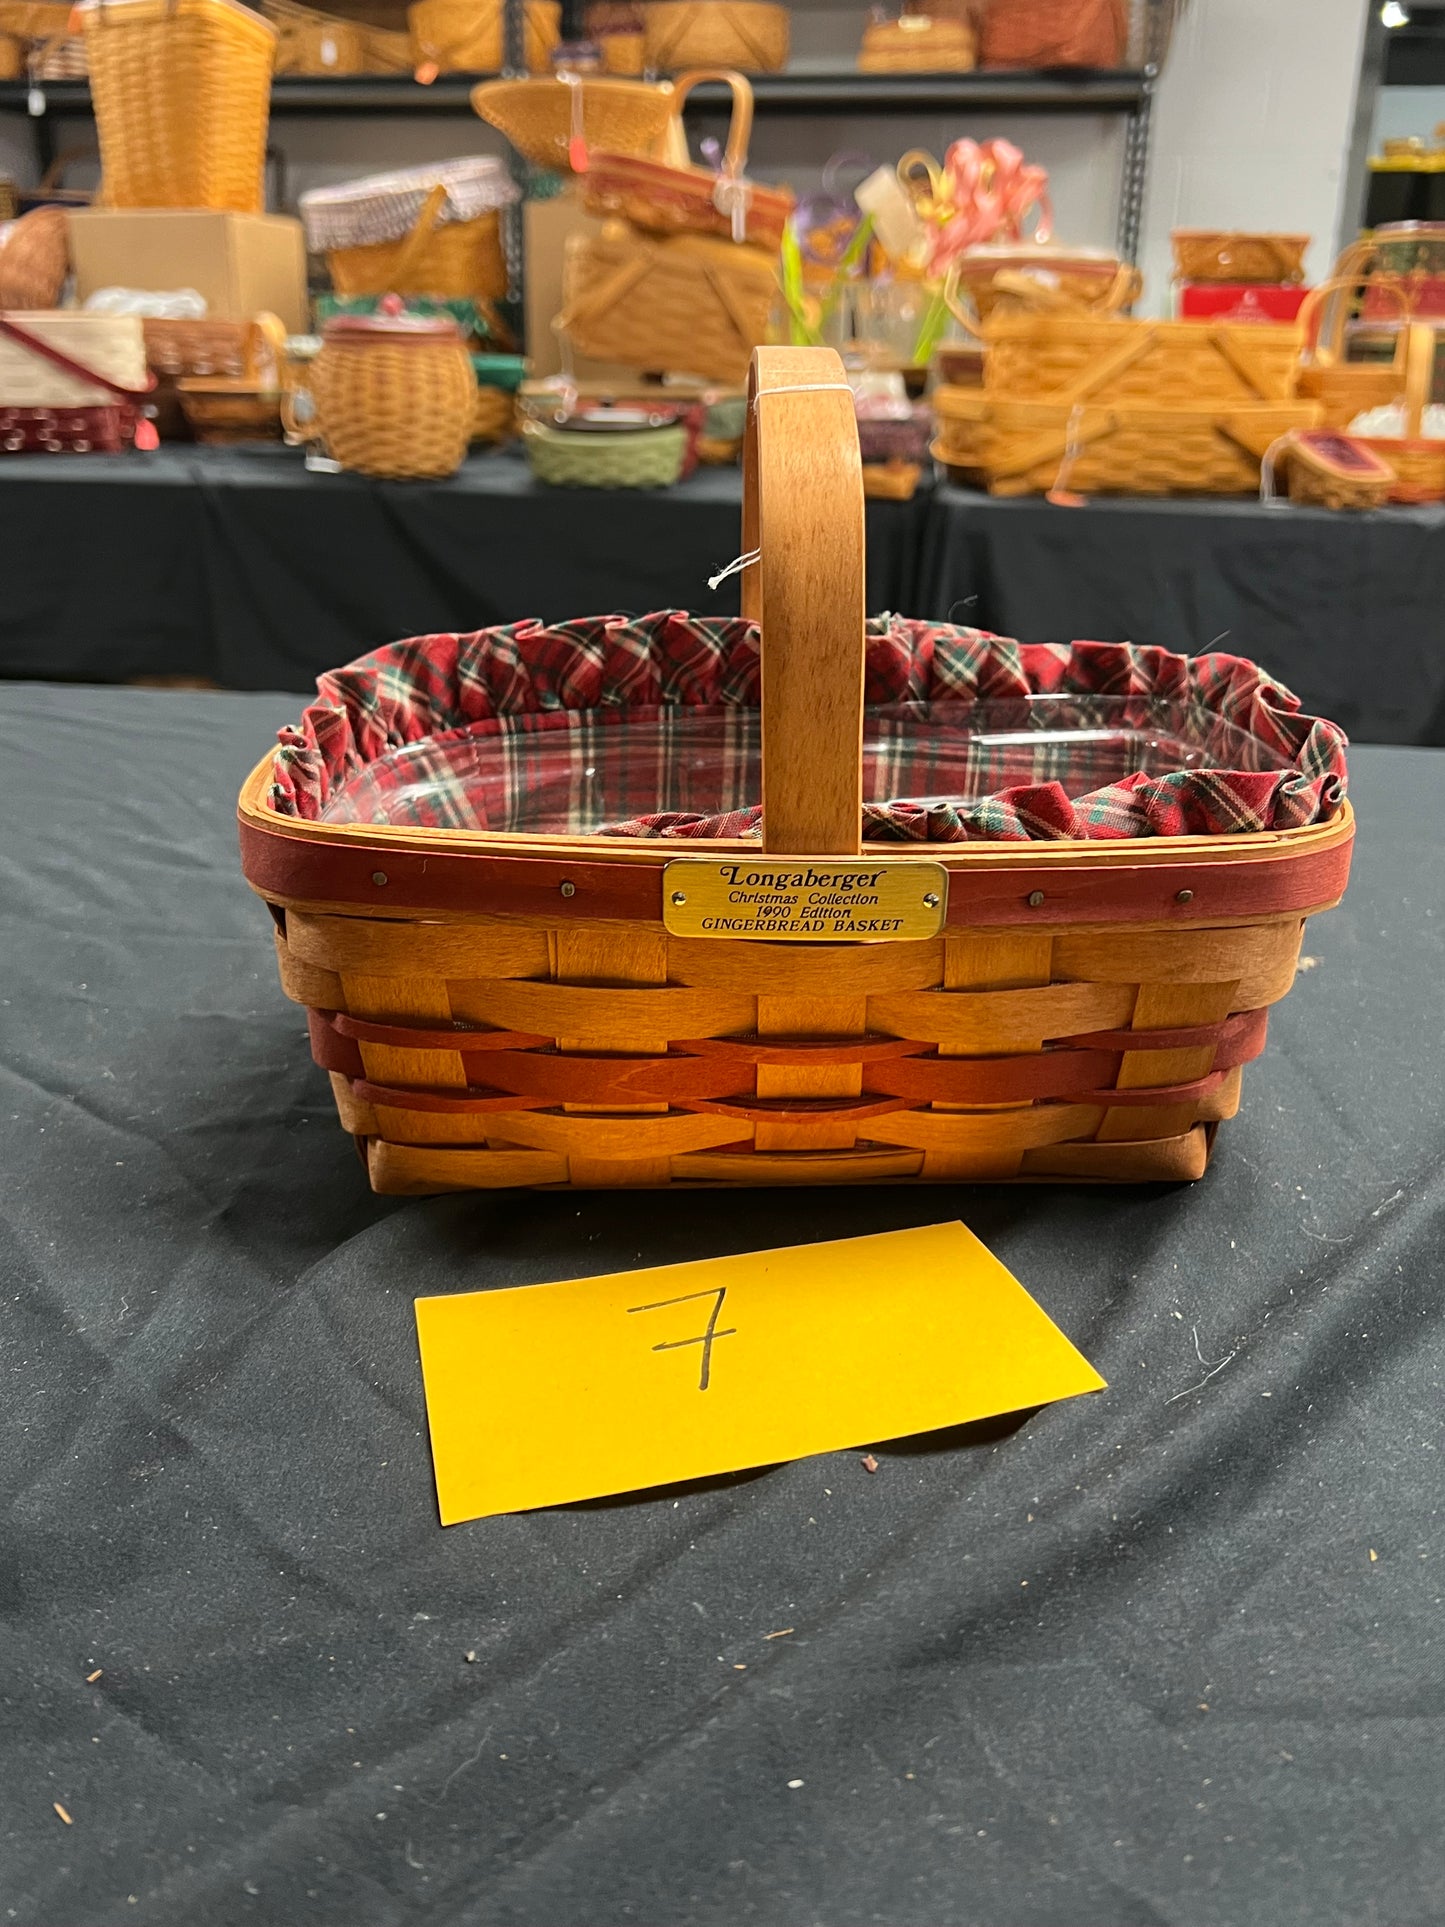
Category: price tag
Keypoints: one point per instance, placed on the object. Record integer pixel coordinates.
(805, 900)
(551, 1393)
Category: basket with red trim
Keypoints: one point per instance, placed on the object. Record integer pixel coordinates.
(73, 383)
(791, 897)
(665, 199)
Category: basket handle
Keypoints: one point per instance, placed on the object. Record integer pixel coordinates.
(740, 126)
(421, 233)
(266, 351)
(1419, 340)
(804, 586)
(1329, 303)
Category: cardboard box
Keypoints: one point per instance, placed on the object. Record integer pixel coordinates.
(545, 228)
(244, 264)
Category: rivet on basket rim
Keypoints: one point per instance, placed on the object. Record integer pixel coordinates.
(1184, 896)
(568, 889)
(1036, 897)
(378, 877)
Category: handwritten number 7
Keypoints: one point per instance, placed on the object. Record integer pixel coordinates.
(704, 1338)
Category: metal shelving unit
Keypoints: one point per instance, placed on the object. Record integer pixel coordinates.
(1128, 92)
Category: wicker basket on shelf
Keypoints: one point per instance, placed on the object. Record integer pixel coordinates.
(666, 199)
(311, 42)
(748, 34)
(12, 56)
(182, 95)
(1207, 254)
(1054, 33)
(1417, 459)
(543, 118)
(468, 36)
(918, 43)
(1344, 388)
(688, 303)
(502, 1008)
(431, 230)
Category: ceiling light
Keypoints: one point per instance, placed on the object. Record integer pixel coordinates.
(1392, 14)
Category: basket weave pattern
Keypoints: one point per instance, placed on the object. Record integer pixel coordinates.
(1160, 363)
(480, 1053)
(396, 410)
(182, 93)
(689, 303)
(461, 261)
(618, 116)
(570, 460)
(918, 45)
(750, 35)
(466, 36)
(1202, 255)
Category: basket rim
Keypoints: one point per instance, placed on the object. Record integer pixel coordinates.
(298, 862)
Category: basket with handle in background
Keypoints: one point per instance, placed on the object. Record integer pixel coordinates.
(647, 932)
(752, 35)
(428, 230)
(666, 199)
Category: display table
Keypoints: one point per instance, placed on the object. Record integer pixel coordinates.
(1165, 1654)
(237, 566)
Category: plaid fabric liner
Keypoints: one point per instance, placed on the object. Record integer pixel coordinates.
(513, 688)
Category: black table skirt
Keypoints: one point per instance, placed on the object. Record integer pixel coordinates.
(239, 567)
(1166, 1657)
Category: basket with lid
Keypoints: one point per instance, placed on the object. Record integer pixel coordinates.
(567, 906)
(394, 395)
(429, 230)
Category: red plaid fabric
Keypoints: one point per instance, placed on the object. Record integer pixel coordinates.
(522, 691)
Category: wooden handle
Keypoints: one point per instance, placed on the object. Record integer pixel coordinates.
(1419, 375)
(803, 511)
(740, 127)
(1325, 310)
(266, 351)
(421, 233)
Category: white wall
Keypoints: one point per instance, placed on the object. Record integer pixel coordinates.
(1252, 122)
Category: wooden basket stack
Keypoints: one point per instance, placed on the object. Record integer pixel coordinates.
(1134, 407)
(500, 1010)
(667, 286)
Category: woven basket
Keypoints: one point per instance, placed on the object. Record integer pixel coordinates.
(1418, 460)
(1203, 254)
(62, 59)
(918, 44)
(222, 411)
(1038, 278)
(417, 232)
(1054, 33)
(501, 1010)
(623, 54)
(12, 57)
(468, 37)
(393, 397)
(673, 200)
(1343, 388)
(690, 304)
(113, 345)
(388, 51)
(320, 46)
(35, 259)
(649, 458)
(747, 34)
(182, 95)
(1113, 448)
(1077, 357)
(1327, 470)
(494, 419)
(616, 116)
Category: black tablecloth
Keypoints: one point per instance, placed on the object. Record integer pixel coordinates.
(1348, 610)
(238, 566)
(1167, 1657)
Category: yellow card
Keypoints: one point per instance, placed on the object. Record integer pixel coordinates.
(551, 1393)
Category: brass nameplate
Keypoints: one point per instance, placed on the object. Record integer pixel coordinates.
(804, 900)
